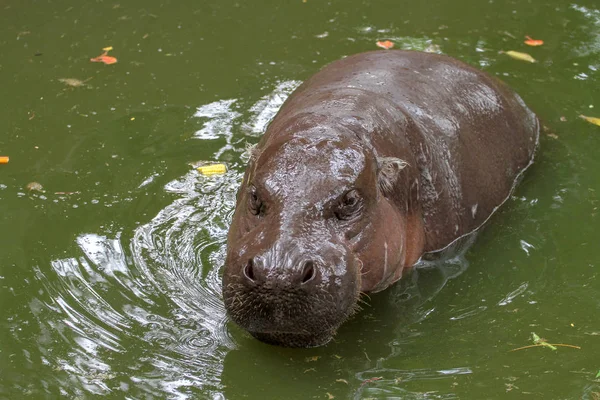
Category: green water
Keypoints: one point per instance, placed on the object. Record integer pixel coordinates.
(113, 289)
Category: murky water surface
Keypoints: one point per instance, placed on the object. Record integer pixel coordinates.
(110, 274)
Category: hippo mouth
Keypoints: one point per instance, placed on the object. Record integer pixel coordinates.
(288, 318)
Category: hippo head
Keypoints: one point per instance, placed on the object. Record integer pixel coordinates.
(311, 230)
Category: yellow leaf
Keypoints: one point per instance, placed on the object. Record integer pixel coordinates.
(520, 56)
(313, 358)
(592, 120)
(109, 48)
(330, 396)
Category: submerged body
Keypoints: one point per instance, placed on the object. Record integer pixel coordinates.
(374, 161)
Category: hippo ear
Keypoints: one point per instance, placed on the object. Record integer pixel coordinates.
(388, 173)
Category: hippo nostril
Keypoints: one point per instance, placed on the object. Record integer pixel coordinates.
(308, 272)
(249, 270)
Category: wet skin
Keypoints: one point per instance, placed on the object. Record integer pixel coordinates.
(374, 161)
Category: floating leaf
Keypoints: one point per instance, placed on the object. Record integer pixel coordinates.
(386, 44)
(73, 82)
(542, 342)
(313, 358)
(520, 56)
(34, 187)
(371, 380)
(103, 58)
(592, 120)
(109, 48)
(598, 374)
(4, 160)
(533, 42)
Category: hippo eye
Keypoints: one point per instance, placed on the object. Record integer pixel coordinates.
(349, 206)
(255, 205)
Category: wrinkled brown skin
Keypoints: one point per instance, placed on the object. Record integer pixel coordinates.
(294, 271)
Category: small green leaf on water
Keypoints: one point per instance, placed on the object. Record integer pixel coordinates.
(539, 342)
(520, 56)
(542, 342)
(598, 374)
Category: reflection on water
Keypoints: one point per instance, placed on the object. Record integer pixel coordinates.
(221, 119)
(156, 295)
(265, 109)
(220, 116)
(592, 43)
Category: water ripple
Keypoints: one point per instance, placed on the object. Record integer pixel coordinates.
(159, 289)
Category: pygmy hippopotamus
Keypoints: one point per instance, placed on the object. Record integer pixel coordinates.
(374, 161)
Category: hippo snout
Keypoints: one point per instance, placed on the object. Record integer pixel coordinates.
(287, 299)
